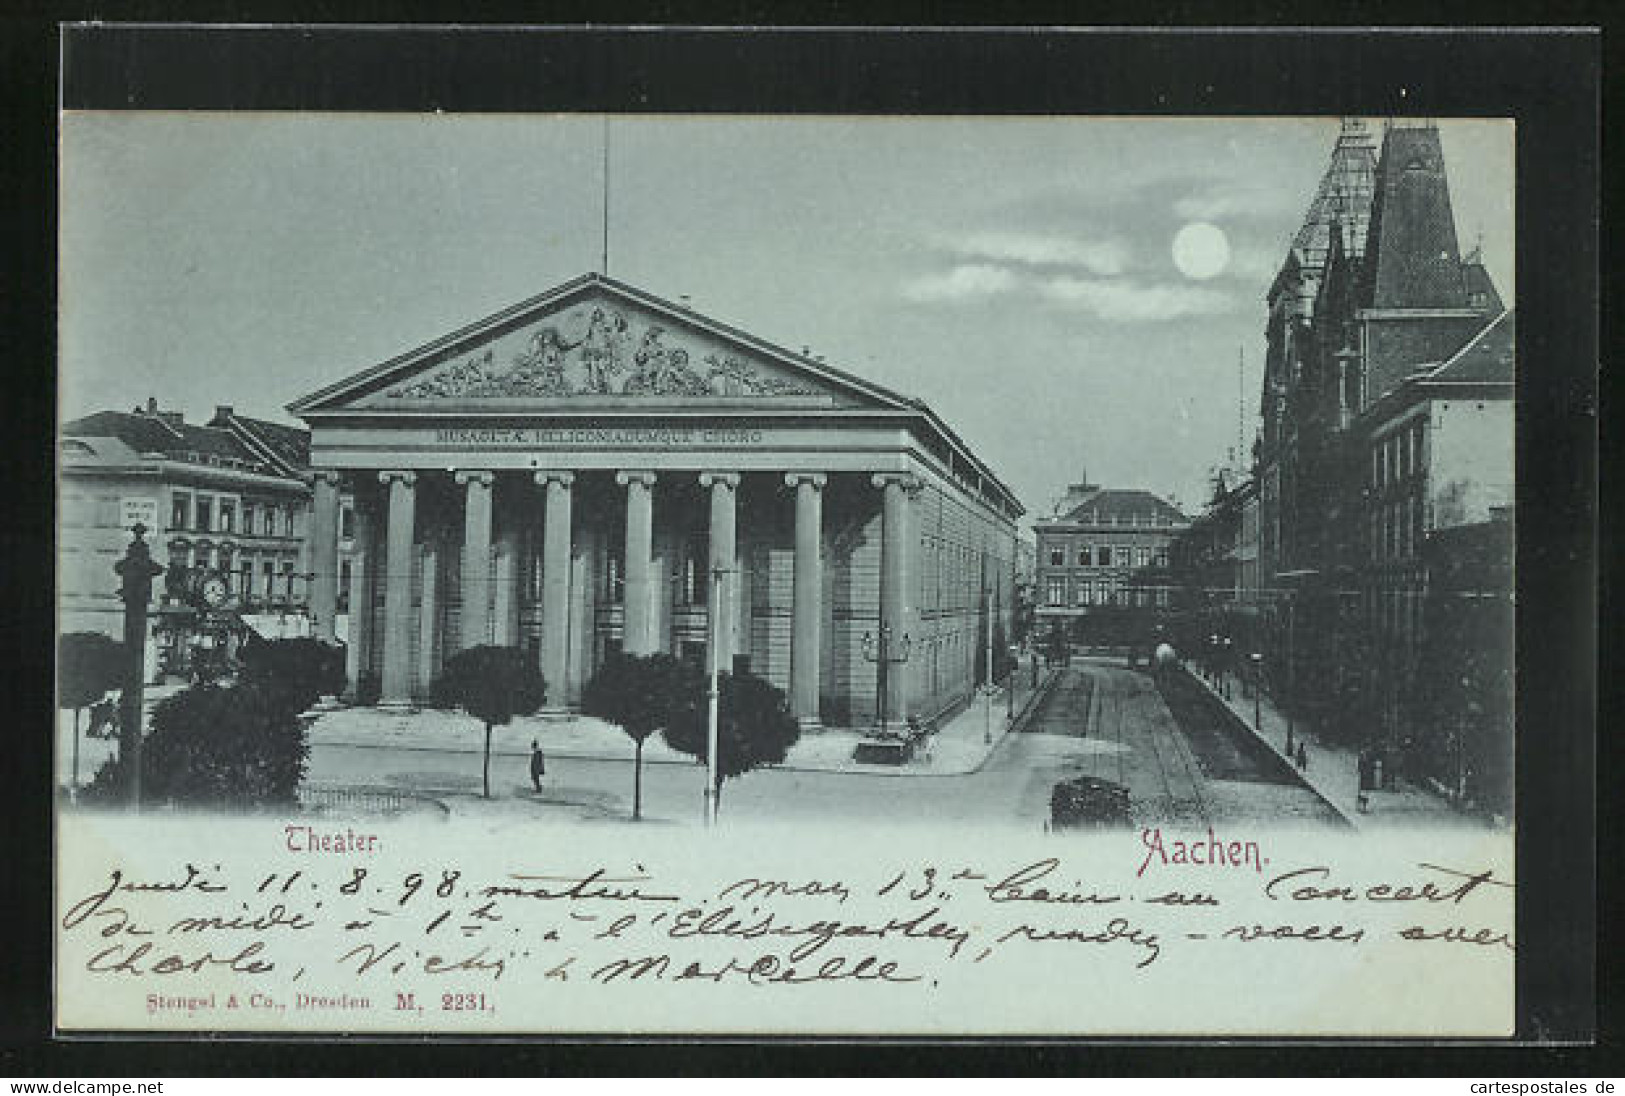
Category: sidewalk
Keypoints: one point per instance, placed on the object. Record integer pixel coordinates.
(1333, 772)
(959, 746)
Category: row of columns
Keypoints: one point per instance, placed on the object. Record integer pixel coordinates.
(638, 628)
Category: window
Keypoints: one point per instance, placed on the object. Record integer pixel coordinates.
(246, 587)
(228, 515)
(248, 519)
(203, 516)
(1142, 557)
(345, 575)
(1083, 557)
(268, 570)
(1057, 557)
(1055, 592)
(180, 506)
(1161, 556)
(270, 521)
(1104, 556)
(1080, 593)
(347, 523)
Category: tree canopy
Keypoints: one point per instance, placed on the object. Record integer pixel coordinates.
(89, 666)
(293, 672)
(492, 684)
(643, 693)
(754, 726)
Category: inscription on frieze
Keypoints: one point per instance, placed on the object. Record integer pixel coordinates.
(630, 436)
(595, 350)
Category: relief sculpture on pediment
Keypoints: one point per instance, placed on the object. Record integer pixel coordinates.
(595, 352)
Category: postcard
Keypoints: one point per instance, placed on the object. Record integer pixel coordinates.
(582, 575)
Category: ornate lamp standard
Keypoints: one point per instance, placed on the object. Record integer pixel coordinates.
(136, 572)
(884, 650)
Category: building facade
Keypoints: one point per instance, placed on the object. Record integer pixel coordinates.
(229, 496)
(1104, 549)
(597, 470)
(1374, 294)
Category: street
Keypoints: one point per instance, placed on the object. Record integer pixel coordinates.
(1100, 720)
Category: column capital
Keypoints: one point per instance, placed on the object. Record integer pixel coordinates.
(330, 476)
(815, 480)
(483, 478)
(642, 479)
(729, 480)
(563, 479)
(908, 481)
(390, 475)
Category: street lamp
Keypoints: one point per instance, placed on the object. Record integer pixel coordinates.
(714, 610)
(883, 651)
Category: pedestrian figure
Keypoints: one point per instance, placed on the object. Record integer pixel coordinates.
(538, 765)
(1303, 757)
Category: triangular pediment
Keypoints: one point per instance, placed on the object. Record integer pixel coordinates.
(591, 345)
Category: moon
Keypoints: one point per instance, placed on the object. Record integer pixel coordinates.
(1201, 250)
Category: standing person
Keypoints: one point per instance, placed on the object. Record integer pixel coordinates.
(538, 765)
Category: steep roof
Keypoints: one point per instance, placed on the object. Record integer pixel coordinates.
(1491, 356)
(289, 445)
(1481, 291)
(1342, 204)
(172, 438)
(1412, 258)
(1123, 506)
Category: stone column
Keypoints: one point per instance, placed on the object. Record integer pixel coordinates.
(358, 649)
(324, 553)
(637, 633)
(808, 594)
(556, 584)
(724, 488)
(476, 579)
(396, 683)
(894, 590)
(505, 603)
(428, 611)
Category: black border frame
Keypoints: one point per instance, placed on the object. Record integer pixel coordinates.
(1551, 82)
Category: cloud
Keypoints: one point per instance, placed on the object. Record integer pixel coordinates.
(1128, 302)
(1233, 198)
(1104, 257)
(967, 281)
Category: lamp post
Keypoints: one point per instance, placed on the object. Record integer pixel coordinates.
(136, 572)
(880, 648)
(715, 606)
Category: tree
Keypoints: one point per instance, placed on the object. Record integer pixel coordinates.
(89, 666)
(642, 693)
(492, 684)
(754, 726)
(297, 672)
(213, 745)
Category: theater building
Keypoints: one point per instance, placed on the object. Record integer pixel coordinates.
(571, 475)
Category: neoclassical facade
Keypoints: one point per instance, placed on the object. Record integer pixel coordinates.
(572, 475)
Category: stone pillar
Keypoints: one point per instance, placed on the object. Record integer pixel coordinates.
(556, 585)
(476, 579)
(808, 596)
(637, 634)
(505, 603)
(358, 648)
(396, 682)
(324, 554)
(894, 587)
(724, 488)
(428, 612)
